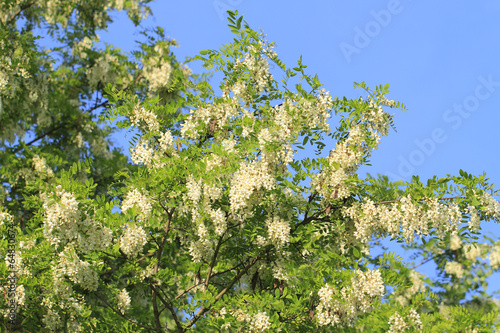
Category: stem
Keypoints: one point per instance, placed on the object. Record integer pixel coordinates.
(204, 309)
(393, 201)
(212, 264)
(157, 265)
(24, 7)
(121, 315)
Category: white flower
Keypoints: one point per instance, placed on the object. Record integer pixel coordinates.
(398, 324)
(491, 206)
(454, 268)
(123, 301)
(455, 242)
(140, 114)
(278, 231)
(355, 299)
(41, 166)
(142, 153)
(133, 240)
(140, 201)
(219, 220)
(260, 322)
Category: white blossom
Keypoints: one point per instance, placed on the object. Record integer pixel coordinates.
(123, 301)
(260, 322)
(454, 268)
(355, 299)
(139, 200)
(132, 240)
(278, 230)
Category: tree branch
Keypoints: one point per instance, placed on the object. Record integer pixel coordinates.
(170, 308)
(210, 268)
(398, 200)
(205, 309)
(121, 315)
(22, 8)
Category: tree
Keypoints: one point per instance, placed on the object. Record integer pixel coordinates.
(215, 225)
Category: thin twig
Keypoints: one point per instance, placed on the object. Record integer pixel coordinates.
(120, 314)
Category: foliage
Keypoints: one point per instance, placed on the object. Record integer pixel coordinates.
(215, 225)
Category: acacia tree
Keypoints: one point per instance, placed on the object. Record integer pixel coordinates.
(217, 225)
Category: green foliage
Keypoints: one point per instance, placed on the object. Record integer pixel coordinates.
(215, 225)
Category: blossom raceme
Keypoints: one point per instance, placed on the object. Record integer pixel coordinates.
(404, 215)
(132, 240)
(139, 200)
(351, 301)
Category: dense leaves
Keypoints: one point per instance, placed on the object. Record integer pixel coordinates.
(214, 224)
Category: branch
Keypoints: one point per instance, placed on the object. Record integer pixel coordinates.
(121, 315)
(154, 292)
(398, 200)
(210, 268)
(188, 289)
(170, 308)
(204, 309)
(23, 7)
(426, 261)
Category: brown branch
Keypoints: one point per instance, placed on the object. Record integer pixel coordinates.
(210, 268)
(45, 134)
(23, 7)
(155, 294)
(228, 270)
(170, 308)
(188, 289)
(427, 260)
(121, 315)
(398, 200)
(205, 309)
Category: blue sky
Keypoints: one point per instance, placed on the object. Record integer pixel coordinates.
(441, 60)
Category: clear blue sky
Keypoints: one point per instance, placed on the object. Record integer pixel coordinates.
(441, 60)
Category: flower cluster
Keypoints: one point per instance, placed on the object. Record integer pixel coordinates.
(278, 231)
(211, 117)
(194, 189)
(474, 220)
(132, 240)
(455, 242)
(351, 301)
(157, 68)
(494, 257)
(350, 152)
(140, 114)
(65, 222)
(472, 252)
(41, 166)
(78, 271)
(142, 153)
(398, 324)
(140, 201)
(250, 178)
(219, 220)
(5, 217)
(103, 72)
(17, 297)
(201, 249)
(166, 141)
(80, 48)
(454, 268)
(370, 218)
(491, 207)
(260, 322)
(123, 301)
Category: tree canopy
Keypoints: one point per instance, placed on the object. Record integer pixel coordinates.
(214, 224)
